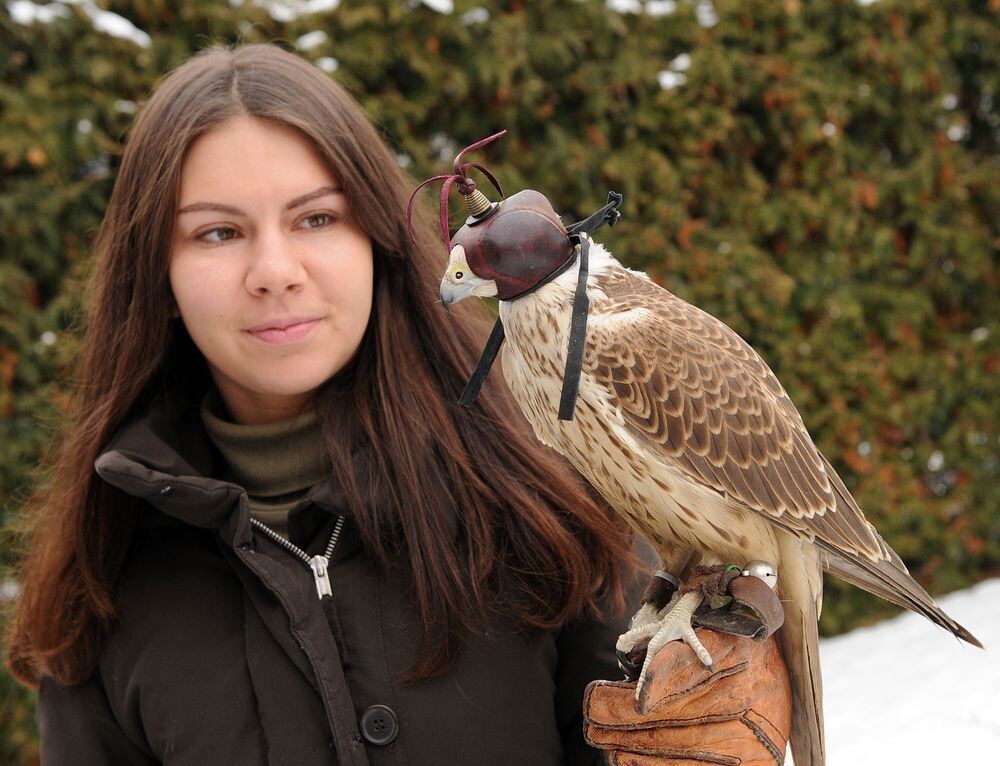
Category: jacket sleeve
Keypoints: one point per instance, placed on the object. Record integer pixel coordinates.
(76, 727)
(586, 651)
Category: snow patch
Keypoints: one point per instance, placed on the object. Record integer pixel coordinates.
(670, 80)
(907, 691)
(980, 334)
(655, 8)
(311, 40)
(116, 26)
(704, 11)
(473, 16)
(624, 6)
(289, 10)
(958, 132)
(682, 63)
(936, 461)
(441, 6)
(25, 12)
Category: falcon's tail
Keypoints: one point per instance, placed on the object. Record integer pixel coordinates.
(799, 642)
(891, 581)
(887, 579)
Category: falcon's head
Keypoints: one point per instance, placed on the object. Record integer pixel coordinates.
(505, 248)
(507, 252)
(460, 282)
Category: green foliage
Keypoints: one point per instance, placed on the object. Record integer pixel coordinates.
(824, 180)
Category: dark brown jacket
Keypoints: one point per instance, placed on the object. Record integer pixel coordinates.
(224, 654)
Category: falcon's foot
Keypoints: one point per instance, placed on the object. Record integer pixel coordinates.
(674, 624)
(659, 596)
(647, 615)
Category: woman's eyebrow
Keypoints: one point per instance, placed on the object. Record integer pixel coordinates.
(320, 192)
(218, 207)
(215, 207)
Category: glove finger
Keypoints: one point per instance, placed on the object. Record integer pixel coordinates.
(718, 742)
(632, 759)
(735, 741)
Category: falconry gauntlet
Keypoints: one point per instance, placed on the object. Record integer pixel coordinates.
(738, 713)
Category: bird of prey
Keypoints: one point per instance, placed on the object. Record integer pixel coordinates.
(683, 429)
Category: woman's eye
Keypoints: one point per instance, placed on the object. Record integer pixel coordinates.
(317, 220)
(218, 235)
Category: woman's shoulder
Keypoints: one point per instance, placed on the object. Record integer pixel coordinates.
(173, 577)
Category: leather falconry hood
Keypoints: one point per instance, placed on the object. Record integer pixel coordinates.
(520, 244)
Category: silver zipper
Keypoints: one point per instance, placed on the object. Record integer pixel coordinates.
(319, 564)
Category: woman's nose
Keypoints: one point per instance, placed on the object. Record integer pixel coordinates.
(275, 266)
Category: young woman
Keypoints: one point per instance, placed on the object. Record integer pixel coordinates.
(271, 534)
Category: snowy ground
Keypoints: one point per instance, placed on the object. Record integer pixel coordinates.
(907, 692)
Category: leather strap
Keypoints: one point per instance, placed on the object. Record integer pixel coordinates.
(486, 359)
(577, 333)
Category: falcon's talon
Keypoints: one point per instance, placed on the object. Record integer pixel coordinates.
(676, 624)
(691, 639)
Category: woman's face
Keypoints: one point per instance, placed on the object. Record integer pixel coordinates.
(270, 271)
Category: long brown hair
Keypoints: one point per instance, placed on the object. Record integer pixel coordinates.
(531, 541)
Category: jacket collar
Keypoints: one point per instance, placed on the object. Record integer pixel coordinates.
(166, 458)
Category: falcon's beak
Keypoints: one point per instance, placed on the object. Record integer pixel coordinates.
(453, 293)
(459, 282)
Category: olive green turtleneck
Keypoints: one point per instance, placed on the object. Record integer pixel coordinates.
(276, 463)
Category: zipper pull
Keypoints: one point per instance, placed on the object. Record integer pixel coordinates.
(318, 565)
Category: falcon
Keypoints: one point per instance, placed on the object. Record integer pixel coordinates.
(676, 421)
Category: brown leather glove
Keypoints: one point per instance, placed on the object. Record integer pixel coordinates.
(738, 715)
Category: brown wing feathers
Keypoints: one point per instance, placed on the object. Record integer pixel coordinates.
(694, 389)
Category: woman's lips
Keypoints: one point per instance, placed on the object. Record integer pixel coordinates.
(288, 334)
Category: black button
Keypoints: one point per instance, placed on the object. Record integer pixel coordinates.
(379, 725)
